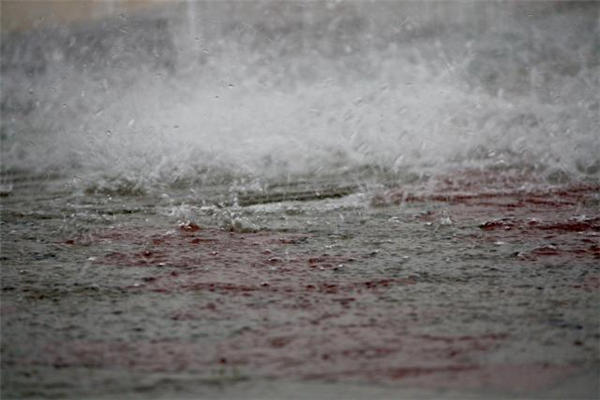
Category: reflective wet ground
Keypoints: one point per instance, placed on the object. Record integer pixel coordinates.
(463, 284)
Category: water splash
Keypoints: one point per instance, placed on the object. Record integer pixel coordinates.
(183, 97)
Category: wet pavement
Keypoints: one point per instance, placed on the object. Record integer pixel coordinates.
(471, 284)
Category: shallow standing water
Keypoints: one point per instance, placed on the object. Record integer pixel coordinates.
(300, 200)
